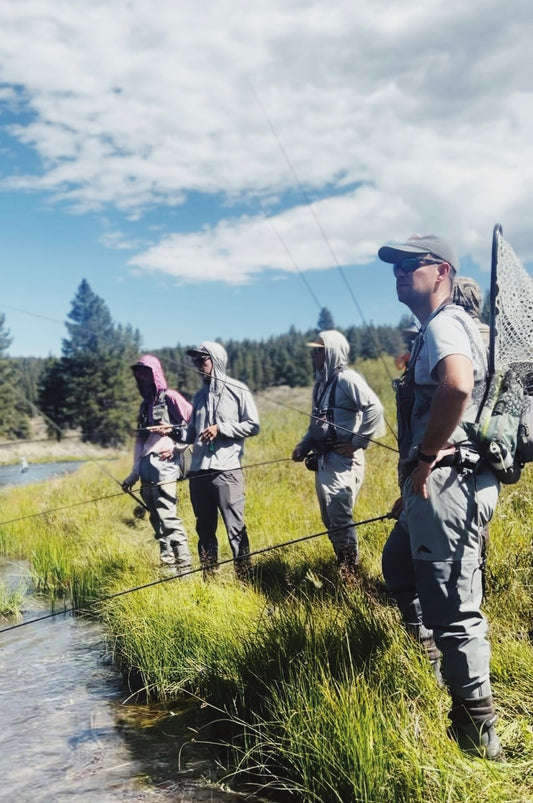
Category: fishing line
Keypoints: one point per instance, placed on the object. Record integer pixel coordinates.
(63, 507)
(176, 365)
(52, 320)
(326, 239)
(289, 254)
(160, 581)
(307, 415)
(89, 458)
(335, 426)
(136, 498)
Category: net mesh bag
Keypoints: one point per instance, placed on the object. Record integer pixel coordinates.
(503, 430)
(513, 342)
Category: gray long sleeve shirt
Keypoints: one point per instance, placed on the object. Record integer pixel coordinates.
(357, 411)
(228, 403)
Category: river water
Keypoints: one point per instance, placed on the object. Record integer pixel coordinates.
(36, 472)
(67, 728)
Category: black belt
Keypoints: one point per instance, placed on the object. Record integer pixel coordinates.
(461, 459)
(449, 461)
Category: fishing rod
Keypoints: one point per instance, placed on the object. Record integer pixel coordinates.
(90, 458)
(189, 573)
(308, 415)
(140, 511)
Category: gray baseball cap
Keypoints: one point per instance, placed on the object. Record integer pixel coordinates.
(420, 244)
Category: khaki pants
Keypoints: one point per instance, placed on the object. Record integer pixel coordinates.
(338, 482)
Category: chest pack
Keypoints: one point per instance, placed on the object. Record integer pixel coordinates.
(322, 429)
(159, 416)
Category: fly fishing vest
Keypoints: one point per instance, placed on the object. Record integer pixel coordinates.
(160, 416)
(322, 429)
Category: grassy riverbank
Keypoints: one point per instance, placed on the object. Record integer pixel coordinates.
(311, 691)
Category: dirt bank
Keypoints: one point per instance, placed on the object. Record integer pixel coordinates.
(39, 448)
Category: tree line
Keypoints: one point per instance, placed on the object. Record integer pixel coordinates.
(90, 388)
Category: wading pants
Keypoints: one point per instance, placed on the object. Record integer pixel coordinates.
(213, 491)
(338, 481)
(432, 567)
(158, 490)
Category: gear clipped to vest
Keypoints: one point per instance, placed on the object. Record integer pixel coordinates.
(500, 425)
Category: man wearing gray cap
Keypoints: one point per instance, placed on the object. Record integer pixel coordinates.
(431, 561)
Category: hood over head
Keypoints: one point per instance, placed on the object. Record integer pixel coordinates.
(158, 377)
(337, 351)
(219, 358)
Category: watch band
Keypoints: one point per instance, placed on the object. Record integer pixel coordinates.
(426, 458)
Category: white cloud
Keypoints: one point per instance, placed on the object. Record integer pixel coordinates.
(131, 105)
(233, 251)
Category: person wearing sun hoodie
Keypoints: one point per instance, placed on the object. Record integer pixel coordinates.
(346, 416)
(158, 452)
(223, 415)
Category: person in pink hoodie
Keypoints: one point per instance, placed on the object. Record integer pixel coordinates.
(158, 458)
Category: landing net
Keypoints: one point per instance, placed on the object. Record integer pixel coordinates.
(512, 306)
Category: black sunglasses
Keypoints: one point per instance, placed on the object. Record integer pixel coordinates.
(411, 264)
(198, 361)
(317, 350)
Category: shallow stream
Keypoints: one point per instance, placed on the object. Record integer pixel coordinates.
(67, 728)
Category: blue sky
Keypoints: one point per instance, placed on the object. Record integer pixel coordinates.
(194, 164)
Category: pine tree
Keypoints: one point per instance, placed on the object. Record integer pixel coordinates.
(91, 387)
(325, 320)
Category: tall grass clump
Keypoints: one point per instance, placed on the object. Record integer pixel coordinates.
(79, 535)
(11, 599)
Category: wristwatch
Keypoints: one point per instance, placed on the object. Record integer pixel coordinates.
(425, 458)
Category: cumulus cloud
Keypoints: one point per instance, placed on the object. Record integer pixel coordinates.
(425, 108)
(234, 251)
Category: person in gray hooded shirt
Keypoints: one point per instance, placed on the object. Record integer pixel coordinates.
(346, 415)
(223, 415)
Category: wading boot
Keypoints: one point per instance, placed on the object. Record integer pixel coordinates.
(243, 563)
(208, 563)
(243, 569)
(182, 557)
(472, 727)
(166, 554)
(347, 564)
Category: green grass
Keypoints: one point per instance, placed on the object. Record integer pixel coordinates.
(310, 691)
(11, 600)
